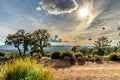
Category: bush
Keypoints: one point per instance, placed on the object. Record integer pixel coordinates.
(113, 57)
(76, 48)
(77, 55)
(97, 58)
(67, 53)
(85, 50)
(2, 54)
(56, 55)
(25, 70)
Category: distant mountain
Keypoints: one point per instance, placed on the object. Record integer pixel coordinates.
(11, 48)
(58, 47)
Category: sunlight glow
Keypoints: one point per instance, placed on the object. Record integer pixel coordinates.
(83, 12)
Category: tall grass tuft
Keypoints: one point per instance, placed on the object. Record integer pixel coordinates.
(25, 70)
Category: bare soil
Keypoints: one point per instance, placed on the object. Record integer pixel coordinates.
(89, 71)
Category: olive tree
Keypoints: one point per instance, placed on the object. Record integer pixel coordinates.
(17, 39)
(14, 39)
(41, 37)
(37, 40)
(24, 40)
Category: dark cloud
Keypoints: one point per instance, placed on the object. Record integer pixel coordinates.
(55, 39)
(59, 6)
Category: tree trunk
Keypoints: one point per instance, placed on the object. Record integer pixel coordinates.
(24, 46)
(24, 52)
(42, 51)
(41, 48)
(19, 51)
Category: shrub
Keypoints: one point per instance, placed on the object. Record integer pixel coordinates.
(76, 48)
(113, 57)
(72, 60)
(77, 55)
(67, 53)
(25, 70)
(85, 50)
(97, 58)
(56, 55)
(2, 54)
(79, 58)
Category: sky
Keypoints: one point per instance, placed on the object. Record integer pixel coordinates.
(62, 18)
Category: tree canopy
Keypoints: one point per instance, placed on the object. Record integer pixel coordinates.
(36, 40)
(102, 45)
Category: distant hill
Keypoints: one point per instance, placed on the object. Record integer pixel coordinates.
(9, 49)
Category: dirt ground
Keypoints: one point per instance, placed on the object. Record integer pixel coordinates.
(89, 71)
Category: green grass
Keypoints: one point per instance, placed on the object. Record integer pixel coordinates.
(25, 70)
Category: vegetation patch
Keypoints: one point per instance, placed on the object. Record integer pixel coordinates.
(25, 70)
(56, 55)
(2, 54)
(114, 57)
(67, 53)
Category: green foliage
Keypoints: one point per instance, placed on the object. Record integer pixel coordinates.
(94, 57)
(2, 54)
(56, 55)
(38, 39)
(77, 55)
(102, 45)
(79, 58)
(41, 37)
(98, 58)
(117, 48)
(76, 48)
(25, 70)
(67, 53)
(114, 57)
(14, 39)
(84, 50)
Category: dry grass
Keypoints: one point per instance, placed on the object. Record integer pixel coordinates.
(24, 69)
(89, 71)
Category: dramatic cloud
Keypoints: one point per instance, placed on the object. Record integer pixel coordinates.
(59, 6)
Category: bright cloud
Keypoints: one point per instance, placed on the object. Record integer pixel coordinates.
(38, 9)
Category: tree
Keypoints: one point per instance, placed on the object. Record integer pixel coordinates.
(30, 39)
(85, 50)
(76, 48)
(24, 41)
(14, 39)
(102, 45)
(41, 37)
(17, 39)
(37, 40)
(117, 48)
